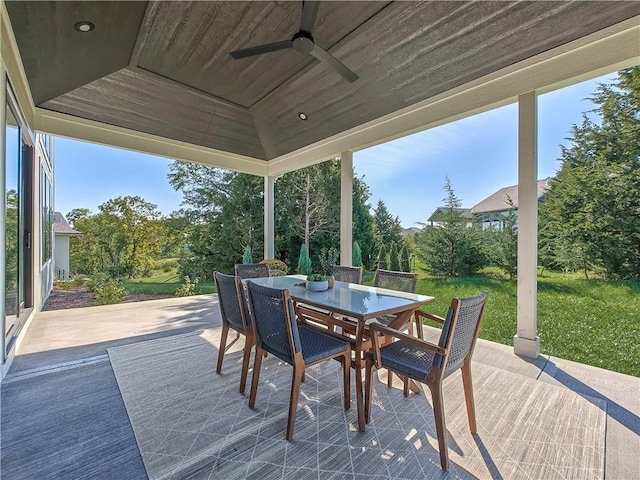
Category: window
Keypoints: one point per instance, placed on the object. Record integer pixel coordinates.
(46, 203)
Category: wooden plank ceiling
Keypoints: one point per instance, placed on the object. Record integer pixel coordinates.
(164, 67)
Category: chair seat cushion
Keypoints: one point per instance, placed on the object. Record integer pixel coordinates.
(408, 359)
(316, 345)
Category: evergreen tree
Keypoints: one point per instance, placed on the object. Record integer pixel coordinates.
(383, 258)
(505, 251)
(591, 213)
(404, 258)
(452, 249)
(394, 257)
(247, 258)
(304, 262)
(363, 229)
(357, 255)
(387, 228)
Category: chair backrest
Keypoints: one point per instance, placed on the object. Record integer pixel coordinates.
(347, 274)
(233, 303)
(403, 281)
(460, 330)
(274, 321)
(252, 270)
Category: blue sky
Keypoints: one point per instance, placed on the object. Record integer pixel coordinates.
(478, 154)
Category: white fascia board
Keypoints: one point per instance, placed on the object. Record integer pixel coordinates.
(602, 52)
(64, 125)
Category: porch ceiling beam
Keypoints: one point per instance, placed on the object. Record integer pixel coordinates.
(87, 130)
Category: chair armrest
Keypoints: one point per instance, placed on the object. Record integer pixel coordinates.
(430, 316)
(392, 332)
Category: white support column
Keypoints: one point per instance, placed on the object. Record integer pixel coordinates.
(269, 232)
(346, 209)
(526, 341)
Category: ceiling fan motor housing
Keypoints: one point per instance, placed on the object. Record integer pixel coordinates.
(302, 42)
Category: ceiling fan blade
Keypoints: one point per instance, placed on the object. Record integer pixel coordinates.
(336, 64)
(260, 49)
(309, 14)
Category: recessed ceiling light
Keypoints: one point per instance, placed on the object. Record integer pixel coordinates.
(84, 26)
(302, 115)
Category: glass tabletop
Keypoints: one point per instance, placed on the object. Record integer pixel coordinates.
(355, 300)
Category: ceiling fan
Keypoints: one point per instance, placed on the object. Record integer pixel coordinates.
(302, 42)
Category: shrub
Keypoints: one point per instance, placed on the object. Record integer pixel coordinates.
(247, 258)
(274, 272)
(275, 264)
(109, 292)
(188, 288)
(328, 259)
(65, 285)
(304, 262)
(357, 255)
(96, 281)
(78, 281)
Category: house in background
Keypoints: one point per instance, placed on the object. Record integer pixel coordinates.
(62, 234)
(492, 210)
(437, 217)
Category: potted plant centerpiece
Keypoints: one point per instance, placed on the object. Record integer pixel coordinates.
(328, 259)
(317, 282)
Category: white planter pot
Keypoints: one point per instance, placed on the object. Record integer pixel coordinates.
(317, 286)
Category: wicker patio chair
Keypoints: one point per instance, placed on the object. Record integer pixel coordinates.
(235, 315)
(347, 274)
(403, 281)
(300, 346)
(252, 270)
(429, 363)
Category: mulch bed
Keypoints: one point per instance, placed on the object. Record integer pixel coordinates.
(78, 297)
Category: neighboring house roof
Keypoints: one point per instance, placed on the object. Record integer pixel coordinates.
(410, 231)
(61, 226)
(436, 216)
(498, 202)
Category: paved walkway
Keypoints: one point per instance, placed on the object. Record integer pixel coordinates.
(60, 391)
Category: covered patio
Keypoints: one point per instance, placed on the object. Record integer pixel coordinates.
(160, 78)
(67, 415)
(157, 77)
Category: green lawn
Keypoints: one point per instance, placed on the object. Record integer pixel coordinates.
(593, 321)
(163, 284)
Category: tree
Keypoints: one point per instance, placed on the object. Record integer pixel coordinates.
(357, 255)
(363, 229)
(383, 257)
(404, 258)
(387, 228)
(247, 258)
(591, 213)
(122, 239)
(225, 210)
(505, 251)
(304, 262)
(307, 209)
(394, 258)
(452, 249)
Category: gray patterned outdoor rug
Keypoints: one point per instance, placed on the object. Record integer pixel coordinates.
(191, 423)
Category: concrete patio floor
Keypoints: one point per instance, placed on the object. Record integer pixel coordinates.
(63, 415)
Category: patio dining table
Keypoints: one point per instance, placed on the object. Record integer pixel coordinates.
(358, 302)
